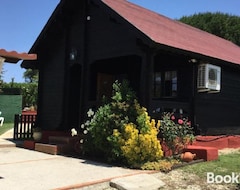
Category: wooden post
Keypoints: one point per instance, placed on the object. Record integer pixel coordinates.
(147, 72)
(15, 130)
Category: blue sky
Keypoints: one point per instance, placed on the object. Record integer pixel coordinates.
(23, 20)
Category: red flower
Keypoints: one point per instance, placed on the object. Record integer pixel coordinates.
(172, 117)
(180, 121)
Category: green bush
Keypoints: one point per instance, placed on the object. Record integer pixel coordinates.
(121, 130)
(29, 92)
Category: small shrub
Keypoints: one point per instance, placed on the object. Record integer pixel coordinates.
(163, 165)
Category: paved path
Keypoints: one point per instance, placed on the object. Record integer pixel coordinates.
(24, 169)
(6, 139)
(8, 134)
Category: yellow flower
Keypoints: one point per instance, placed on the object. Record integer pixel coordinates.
(116, 132)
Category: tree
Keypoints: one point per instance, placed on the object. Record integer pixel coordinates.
(223, 25)
(31, 76)
(2, 71)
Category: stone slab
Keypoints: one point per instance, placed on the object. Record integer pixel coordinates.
(137, 182)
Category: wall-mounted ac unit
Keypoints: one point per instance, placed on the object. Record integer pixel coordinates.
(209, 78)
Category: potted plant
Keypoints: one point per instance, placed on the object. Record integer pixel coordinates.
(176, 133)
(37, 133)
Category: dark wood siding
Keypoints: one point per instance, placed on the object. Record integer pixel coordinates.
(109, 37)
(107, 44)
(219, 113)
(51, 87)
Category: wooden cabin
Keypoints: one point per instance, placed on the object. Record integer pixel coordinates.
(86, 45)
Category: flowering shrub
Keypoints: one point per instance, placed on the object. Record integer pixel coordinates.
(139, 146)
(176, 133)
(122, 131)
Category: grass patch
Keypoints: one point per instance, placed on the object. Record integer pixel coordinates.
(225, 165)
(6, 127)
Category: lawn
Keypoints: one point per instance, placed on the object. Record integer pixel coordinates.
(6, 127)
(195, 176)
(225, 165)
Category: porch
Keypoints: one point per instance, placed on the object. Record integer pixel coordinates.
(61, 142)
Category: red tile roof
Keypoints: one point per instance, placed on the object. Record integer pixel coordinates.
(14, 57)
(175, 34)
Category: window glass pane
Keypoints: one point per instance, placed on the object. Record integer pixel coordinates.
(174, 83)
(165, 84)
(168, 75)
(170, 83)
(157, 84)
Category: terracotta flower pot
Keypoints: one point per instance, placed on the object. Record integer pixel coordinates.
(187, 156)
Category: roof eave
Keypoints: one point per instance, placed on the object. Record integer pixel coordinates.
(14, 57)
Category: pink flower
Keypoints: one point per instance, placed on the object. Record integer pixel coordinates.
(189, 123)
(180, 121)
(172, 117)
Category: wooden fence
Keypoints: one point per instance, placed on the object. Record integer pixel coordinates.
(23, 125)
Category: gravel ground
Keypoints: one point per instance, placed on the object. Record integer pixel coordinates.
(228, 151)
(175, 180)
(180, 180)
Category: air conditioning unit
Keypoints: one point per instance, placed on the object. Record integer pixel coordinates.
(209, 78)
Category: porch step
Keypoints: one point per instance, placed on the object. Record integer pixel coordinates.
(53, 148)
(46, 148)
(206, 153)
(57, 145)
(61, 140)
